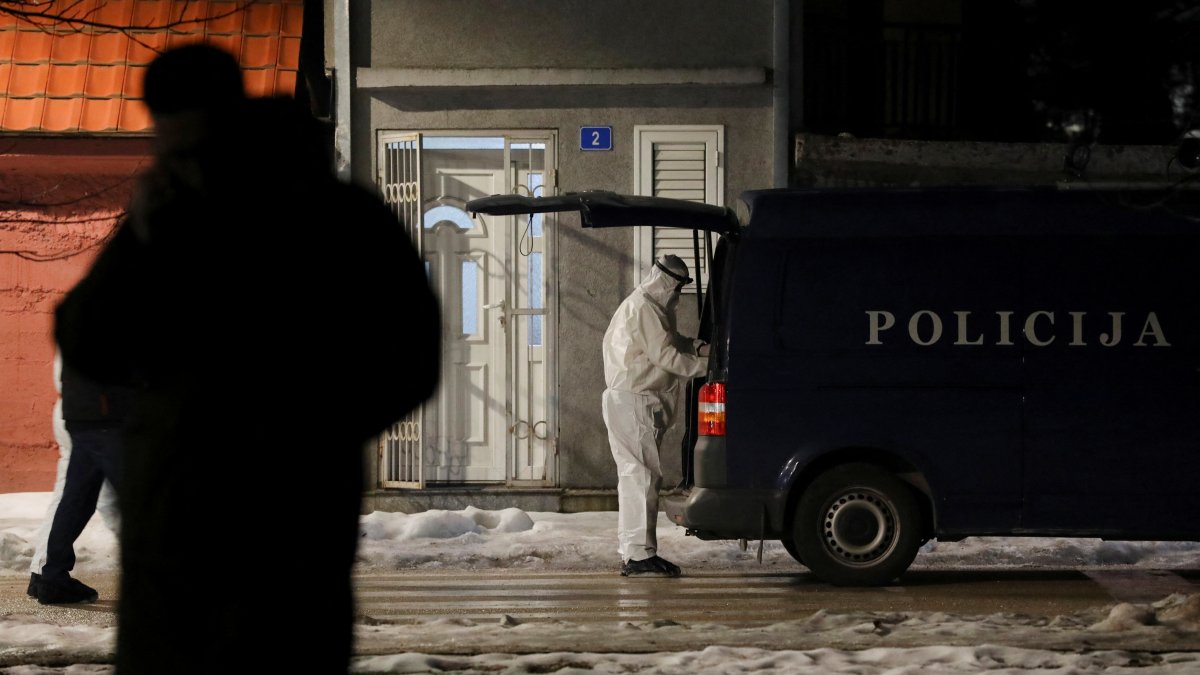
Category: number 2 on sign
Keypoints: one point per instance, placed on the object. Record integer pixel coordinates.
(595, 138)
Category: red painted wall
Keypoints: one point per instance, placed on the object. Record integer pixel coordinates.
(59, 201)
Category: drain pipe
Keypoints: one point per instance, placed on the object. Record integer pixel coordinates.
(342, 85)
(781, 98)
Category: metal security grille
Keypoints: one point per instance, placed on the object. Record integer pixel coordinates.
(891, 80)
(921, 67)
(399, 157)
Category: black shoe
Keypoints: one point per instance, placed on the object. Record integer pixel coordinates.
(65, 591)
(35, 580)
(650, 567)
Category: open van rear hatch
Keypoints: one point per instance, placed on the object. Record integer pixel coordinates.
(609, 209)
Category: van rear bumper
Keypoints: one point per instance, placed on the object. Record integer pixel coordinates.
(721, 513)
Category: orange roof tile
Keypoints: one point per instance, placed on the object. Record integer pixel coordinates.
(225, 18)
(28, 79)
(263, 19)
(259, 51)
(134, 75)
(8, 38)
(285, 80)
(32, 45)
(151, 13)
(259, 79)
(99, 114)
(134, 116)
(189, 11)
(104, 82)
(143, 47)
(289, 53)
(66, 80)
(108, 48)
(23, 114)
(81, 78)
(114, 13)
(293, 20)
(175, 39)
(230, 43)
(69, 48)
(62, 114)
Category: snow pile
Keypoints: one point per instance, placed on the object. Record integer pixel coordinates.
(1179, 608)
(984, 658)
(1126, 617)
(443, 524)
(1059, 552)
(21, 515)
(1178, 612)
(29, 634)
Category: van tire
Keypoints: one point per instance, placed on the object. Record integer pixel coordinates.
(789, 545)
(857, 525)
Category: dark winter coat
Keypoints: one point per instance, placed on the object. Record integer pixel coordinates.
(277, 319)
(88, 404)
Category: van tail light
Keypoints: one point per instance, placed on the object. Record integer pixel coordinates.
(712, 409)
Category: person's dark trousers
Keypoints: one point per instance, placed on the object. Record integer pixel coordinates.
(95, 455)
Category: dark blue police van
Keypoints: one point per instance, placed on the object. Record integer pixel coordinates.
(891, 366)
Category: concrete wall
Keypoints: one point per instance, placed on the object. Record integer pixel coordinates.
(829, 161)
(44, 250)
(564, 33)
(595, 268)
(28, 292)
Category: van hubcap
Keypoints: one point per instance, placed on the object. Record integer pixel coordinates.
(860, 526)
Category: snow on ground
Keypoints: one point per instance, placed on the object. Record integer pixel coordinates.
(474, 539)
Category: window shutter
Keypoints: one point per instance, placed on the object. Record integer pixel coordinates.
(679, 163)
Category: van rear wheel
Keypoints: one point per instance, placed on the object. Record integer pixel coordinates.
(790, 546)
(857, 525)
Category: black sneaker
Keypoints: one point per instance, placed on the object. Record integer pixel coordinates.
(64, 591)
(650, 567)
(35, 580)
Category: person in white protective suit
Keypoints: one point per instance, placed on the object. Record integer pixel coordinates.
(645, 360)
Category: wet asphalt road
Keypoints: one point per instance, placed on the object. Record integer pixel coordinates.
(742, 597)
(470, 612)
(749, 598)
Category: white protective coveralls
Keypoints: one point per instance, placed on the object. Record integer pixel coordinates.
(645, 360)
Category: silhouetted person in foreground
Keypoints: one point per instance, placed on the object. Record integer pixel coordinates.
(275, 319)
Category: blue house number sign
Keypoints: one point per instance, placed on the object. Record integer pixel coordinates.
(595, 138)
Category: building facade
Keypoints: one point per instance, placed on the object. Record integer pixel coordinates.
(451, 103)
(436, 102)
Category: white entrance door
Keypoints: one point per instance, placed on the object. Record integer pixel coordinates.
(465, 431)
(489, 421)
